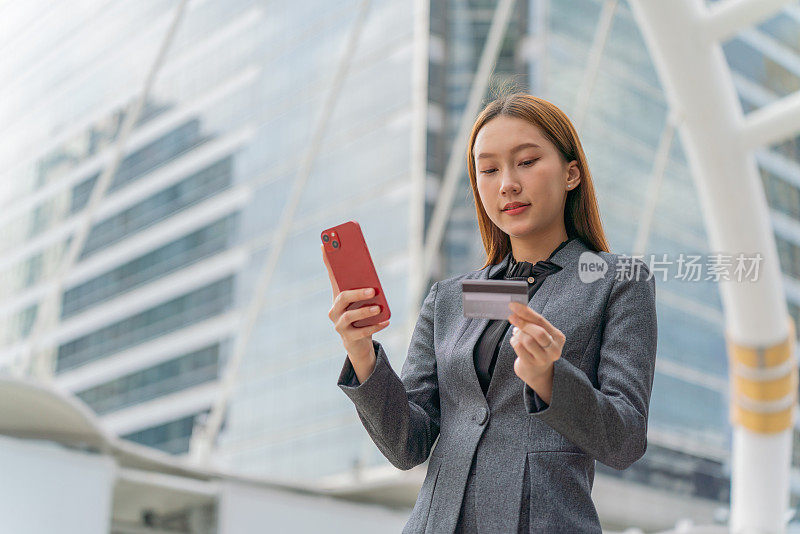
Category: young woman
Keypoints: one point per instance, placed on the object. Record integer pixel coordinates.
(522, 413)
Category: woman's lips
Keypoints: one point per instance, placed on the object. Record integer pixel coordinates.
(518, 209)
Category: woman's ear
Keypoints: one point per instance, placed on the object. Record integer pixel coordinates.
(573, 175)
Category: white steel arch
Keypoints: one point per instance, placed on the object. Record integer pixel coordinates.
(683, 37)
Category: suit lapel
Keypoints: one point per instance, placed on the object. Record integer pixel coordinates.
(471, 328)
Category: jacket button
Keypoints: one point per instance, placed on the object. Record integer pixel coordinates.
(481, 416)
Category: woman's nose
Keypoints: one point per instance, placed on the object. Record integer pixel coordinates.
(509, 184)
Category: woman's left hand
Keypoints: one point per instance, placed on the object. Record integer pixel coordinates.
(538, 345)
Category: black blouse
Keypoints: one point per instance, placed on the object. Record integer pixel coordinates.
(488, 346)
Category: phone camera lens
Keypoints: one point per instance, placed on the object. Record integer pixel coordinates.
(326, 237)
(335, 244)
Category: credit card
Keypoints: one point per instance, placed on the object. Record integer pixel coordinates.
(490, 298)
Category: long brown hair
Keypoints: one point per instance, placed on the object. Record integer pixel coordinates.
(581, 214)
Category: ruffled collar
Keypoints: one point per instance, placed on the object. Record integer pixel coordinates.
(525, 269)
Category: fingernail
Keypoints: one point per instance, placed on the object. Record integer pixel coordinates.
(368, 292)
(514, 331)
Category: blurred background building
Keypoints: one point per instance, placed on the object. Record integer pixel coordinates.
(257, 104)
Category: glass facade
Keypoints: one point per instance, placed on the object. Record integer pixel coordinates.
(172, 437)
(141, 386)
(150, 266)
(157, 321)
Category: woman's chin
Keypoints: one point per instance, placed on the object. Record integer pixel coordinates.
(519, 229)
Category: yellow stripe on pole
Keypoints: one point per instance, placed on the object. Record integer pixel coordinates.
(748, 392)
(765, 390)
(763, 423)
(763, 357)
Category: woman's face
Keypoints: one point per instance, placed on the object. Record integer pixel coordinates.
(515, 162)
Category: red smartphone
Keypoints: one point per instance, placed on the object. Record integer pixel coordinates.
(352, 268)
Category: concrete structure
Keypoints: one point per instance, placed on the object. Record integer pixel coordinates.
(63, 472)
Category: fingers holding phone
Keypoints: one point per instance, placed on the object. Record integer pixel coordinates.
(343, 315)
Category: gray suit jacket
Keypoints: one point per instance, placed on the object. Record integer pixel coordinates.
(598, 409)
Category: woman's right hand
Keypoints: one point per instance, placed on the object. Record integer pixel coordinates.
(357, 341)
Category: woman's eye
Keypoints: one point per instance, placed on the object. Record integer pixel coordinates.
(526, 163)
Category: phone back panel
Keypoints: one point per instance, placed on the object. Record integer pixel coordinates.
(352, 268)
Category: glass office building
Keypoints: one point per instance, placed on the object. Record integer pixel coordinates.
(150, 308)
(150, 311)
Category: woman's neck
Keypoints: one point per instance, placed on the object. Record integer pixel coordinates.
(538, 249)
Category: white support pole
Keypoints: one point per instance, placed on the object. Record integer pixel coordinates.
(534, 46)
(697, 81)
(656, 179)
(604, 24)
(205, 433)
(723, 20)
(39, 360)
(455, 163)
(772, 123)
(419, 158)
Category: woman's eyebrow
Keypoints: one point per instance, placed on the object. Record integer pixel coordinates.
(515, 149)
